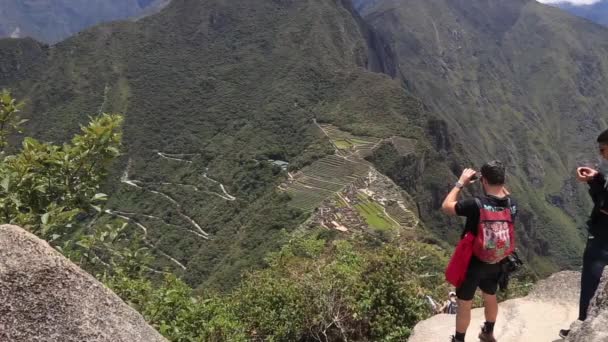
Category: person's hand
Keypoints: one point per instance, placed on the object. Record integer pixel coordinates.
(467, 174)
(585, 174)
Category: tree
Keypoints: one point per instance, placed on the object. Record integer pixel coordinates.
(9, 121)
(44, 186)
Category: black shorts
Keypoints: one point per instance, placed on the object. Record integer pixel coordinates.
(482, 275)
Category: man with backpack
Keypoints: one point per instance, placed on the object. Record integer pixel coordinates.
(490, 220)
(595, 257)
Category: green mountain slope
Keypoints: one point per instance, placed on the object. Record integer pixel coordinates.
(53, 20)
(219, 95)
(515, 80)
(213, 92)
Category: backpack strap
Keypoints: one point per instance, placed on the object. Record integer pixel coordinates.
(510, 206)
(479, 206)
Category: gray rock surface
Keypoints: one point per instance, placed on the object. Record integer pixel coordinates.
(562, 286)
(595, 327)
(45, 297)
(552, 305)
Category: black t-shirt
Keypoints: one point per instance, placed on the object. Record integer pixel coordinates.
(469, 209)
(598, 221)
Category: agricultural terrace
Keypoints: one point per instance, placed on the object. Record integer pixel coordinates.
(346, 142)
(404, 146)
(322, 179)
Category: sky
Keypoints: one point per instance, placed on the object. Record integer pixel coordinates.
(573, 2)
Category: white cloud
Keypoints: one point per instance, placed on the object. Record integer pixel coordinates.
(573, 2)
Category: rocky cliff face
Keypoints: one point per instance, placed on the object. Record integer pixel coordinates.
(45, 297)
(594, 329)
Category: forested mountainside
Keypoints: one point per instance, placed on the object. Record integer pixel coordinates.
(54, 20)
(514, 80)
(243, 121)
(287, 159)
(215, 95)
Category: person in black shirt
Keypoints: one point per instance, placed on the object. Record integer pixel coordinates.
(479, 274)
(595, 257)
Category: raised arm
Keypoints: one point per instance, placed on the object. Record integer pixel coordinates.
(595, 179)
(449, 204)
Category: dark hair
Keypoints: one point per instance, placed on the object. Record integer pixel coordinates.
(603, 137)
(494, 172)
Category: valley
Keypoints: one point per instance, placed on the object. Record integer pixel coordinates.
(285, 162)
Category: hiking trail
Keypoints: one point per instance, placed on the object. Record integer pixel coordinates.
(538, 317)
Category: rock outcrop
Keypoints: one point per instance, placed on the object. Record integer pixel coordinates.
(551, 306)
(45, 297)
(595, 327)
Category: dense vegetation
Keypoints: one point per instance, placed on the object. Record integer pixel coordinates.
(213, 90)
(514, 80)
(221, 87)
(44, 187)
(315, 288)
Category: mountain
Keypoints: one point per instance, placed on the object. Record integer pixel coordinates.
(54, 20)
(246, 121)
(219, 96)
(514, 80)
(597, 12)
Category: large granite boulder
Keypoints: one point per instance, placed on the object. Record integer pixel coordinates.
(595, 327)
(45, 297)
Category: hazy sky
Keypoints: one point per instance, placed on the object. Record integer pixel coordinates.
(574, 2)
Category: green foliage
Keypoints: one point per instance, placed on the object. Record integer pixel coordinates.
(313, 289)
(242, 85)
(347, 291)
(9, 120)
(109, 249)
(175, 313)
(482, 69)
(374, 215)
(232, 95)
(44, 186)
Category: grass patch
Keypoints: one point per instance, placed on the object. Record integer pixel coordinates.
(343, 144)
(360, 142)
(374, 215)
